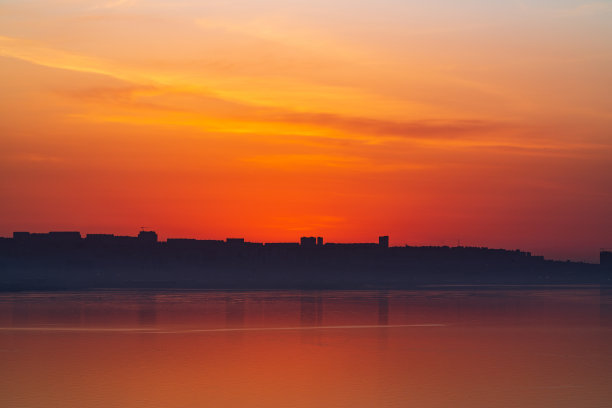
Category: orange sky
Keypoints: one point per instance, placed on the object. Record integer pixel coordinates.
(490, 124)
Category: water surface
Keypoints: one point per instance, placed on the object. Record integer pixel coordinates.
(467, 348)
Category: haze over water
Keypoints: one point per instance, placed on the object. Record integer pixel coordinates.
(502, 348)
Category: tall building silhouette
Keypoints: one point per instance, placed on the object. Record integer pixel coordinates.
(147, 236)
(383, 241)
(308, 241)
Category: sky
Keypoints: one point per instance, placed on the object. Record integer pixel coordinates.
(471, 123)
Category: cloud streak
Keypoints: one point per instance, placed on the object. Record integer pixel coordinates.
(450, 129)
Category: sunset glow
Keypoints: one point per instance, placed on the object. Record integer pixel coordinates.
(481, 124)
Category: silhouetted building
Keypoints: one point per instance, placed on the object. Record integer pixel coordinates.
(125, 240)
(235, 241)
(605, 259)
(65, 236)
(383, 241)
(190, 243)
(100, 238)
(308, 241)
(21, 236)
(319, 241)
(253, 245)
(283, 245)
(359, 245)
(39, 237)
(182, 243)
(147, 236)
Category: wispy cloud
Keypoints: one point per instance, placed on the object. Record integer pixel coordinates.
(287, 33)
(214, 113)
(128, 96)
(38, 53)
(260, 90)
(411, 129)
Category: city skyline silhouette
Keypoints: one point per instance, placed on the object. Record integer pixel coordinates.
(66, 260)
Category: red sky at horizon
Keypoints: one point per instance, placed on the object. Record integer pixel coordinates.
(485, 124)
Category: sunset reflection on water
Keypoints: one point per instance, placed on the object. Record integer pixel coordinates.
(486, 348)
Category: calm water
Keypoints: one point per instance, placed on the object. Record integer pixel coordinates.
(510, 348)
